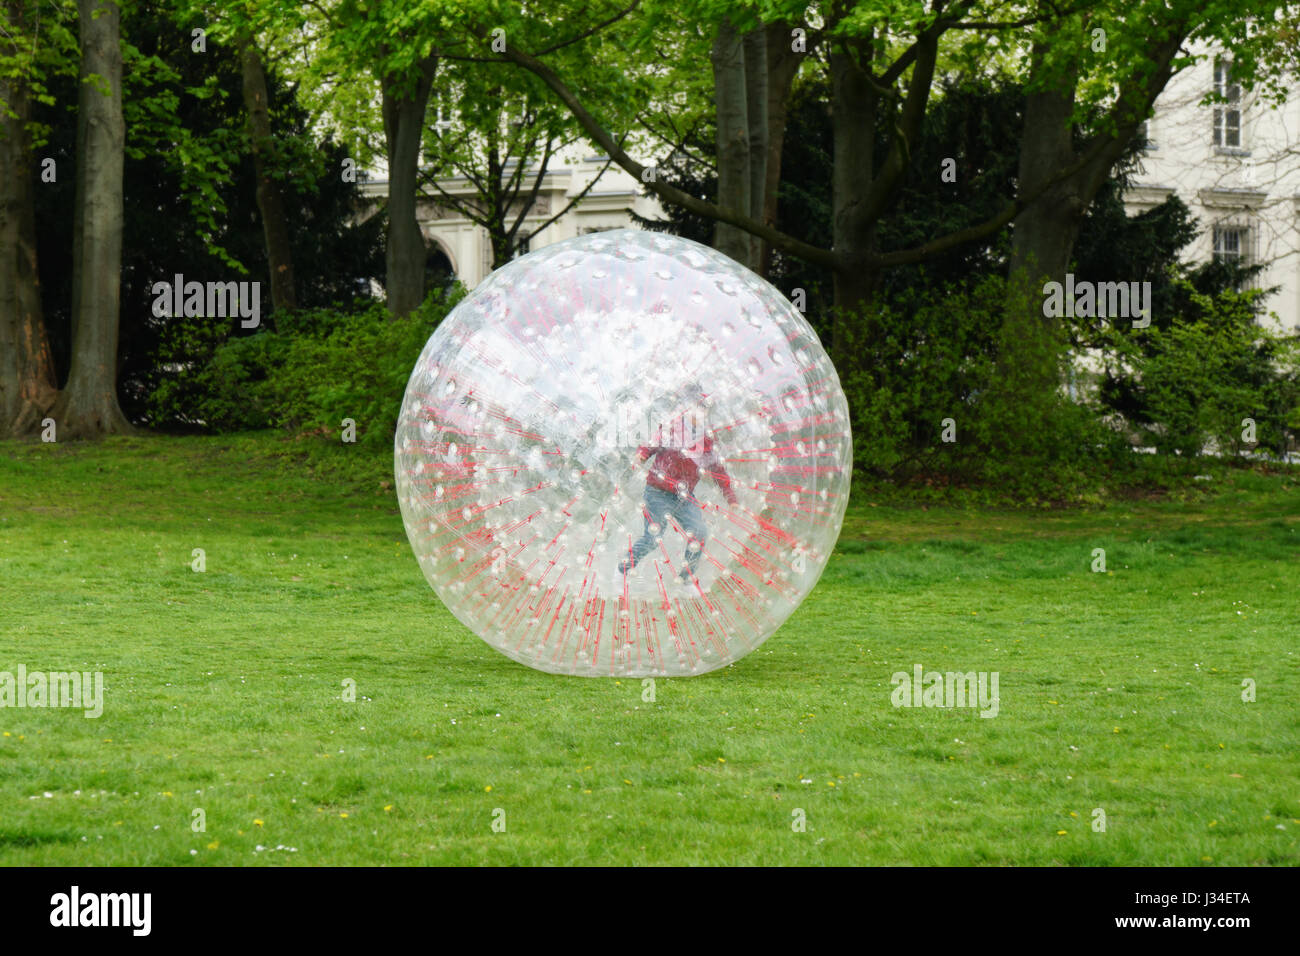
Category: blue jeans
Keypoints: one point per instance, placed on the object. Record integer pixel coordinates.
(684, 510)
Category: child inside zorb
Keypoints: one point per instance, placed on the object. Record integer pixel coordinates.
(683, 453)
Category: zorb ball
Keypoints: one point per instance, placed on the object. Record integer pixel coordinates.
(623, 454)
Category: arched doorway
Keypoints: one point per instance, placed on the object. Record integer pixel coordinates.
(439, 270)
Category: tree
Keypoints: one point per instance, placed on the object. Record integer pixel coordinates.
(398, 49)
(882, 64)
(732, 77)
(405, 51)
(1088, 91)
(503, 148)
(405, 100)
(190, 185)
(270, 201)
(88, 406)
(28, 388)
(782, 65)
(753, 65)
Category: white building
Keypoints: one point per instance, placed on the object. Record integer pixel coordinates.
(608, 205)
(1237, 167)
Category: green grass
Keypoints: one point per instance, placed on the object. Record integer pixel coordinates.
(1120, 691)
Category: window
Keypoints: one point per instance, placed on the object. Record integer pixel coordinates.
(1227, 115)
(1231, 245)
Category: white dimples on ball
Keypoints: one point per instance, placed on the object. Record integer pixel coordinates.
(520, 434)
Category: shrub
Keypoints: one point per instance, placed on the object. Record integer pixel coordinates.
(1192, 383)
(317, 368)
(950, 354)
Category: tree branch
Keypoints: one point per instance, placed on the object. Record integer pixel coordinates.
(593, 30)
(585, 189)
(601, 136)
(904, 257)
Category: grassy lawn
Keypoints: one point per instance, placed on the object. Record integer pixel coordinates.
(1119, 691)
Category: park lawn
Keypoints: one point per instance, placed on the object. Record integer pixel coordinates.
(1120, 692)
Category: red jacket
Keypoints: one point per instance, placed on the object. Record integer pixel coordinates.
(682, 466)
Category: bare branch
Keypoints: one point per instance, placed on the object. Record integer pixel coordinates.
(593, 30)
(699, 207)
(572, 202)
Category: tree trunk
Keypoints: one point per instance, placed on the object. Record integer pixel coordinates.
(1042, 240)
(729, 92)
(852, 228)
(782, 66)
(1044, 233)
(270, 202)
(404, 103)
(27, 384)
(88, 407)
(496, 198)
(1043, 236)
(756, 100)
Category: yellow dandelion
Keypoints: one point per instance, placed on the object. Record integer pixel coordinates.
(488, 788)
(388, 809)
(1060, 833)
(214, 844)
(343, 816)
(257, 823)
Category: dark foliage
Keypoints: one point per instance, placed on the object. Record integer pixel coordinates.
(333, 259)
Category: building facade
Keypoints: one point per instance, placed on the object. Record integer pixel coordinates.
(1236, 164)
(608, 205)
